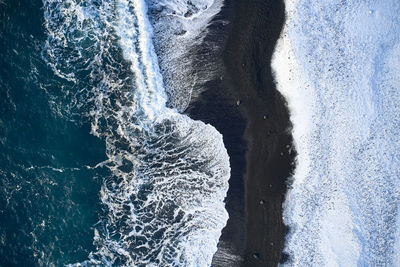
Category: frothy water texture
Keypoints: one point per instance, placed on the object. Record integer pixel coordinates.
(180, 27)
(163, 202)
(338, 64)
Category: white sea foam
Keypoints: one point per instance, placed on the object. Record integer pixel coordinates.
(337, 64)
(169, 174)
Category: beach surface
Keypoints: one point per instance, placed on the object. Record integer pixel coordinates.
(244, 105)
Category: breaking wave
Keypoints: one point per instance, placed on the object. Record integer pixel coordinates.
(163, 202)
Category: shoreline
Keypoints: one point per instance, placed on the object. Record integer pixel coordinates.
(256, 134)
(217, 106)
(269, 156)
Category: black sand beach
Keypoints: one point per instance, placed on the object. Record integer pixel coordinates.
(246, 108)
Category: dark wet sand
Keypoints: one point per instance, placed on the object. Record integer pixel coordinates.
(256, 134)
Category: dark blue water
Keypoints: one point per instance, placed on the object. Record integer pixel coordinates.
(49, 198)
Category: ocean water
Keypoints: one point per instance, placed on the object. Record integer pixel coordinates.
(96, 168)
(337, 63)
